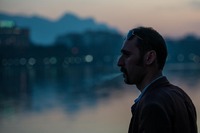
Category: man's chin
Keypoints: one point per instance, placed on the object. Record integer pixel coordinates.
(127, 81)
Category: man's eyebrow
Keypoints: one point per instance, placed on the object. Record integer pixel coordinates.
(125, 51)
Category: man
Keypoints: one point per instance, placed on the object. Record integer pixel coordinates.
(161, 106)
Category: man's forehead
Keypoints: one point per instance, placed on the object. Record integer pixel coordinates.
(130, 46)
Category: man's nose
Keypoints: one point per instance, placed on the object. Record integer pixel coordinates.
(120, 61)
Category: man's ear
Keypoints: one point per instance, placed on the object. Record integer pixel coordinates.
(150, 57)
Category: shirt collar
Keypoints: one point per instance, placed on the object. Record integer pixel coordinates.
(145, 89)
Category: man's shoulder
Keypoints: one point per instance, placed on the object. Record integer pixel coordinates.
(162, 87)
(164, 95)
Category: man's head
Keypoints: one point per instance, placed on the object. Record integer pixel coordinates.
(144, 51)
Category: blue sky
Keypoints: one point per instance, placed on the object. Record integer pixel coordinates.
(173, 18)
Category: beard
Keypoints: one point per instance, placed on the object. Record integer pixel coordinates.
(133, 76)
(125, 75)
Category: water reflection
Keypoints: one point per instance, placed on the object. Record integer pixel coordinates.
(38, 89)
(189, 77)
(82, 96)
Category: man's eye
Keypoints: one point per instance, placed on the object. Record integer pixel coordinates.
(126, 54)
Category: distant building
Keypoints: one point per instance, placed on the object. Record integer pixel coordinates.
(11, 35)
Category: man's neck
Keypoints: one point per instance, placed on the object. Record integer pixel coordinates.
(148, 79)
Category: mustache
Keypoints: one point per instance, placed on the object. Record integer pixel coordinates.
(123, 70)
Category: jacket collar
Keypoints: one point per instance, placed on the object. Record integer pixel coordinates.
(145, 89)
(158, 83)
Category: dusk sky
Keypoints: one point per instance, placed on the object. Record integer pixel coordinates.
(174, 18)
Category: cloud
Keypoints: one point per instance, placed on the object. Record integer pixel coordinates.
(195, 4)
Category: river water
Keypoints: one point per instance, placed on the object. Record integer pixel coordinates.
(75, 100)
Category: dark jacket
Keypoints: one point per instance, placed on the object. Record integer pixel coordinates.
(164, 108)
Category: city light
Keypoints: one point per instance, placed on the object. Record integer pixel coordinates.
(88, 58)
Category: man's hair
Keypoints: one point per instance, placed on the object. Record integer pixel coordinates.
(152, 40)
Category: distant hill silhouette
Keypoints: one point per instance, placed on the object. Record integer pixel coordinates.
(44, 31)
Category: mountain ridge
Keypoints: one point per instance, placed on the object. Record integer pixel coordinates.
(44, 31)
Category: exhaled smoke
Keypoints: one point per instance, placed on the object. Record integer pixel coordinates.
(96, 81)
(109, 77)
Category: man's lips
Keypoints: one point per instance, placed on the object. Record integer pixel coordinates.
(123, 71)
